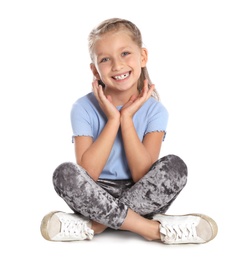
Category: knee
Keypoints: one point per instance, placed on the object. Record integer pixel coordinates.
(64, 174)
(173, 165)
(178, 164)
(176, 169)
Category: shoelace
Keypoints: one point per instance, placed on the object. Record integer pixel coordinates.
(177, 233)
(76, 229)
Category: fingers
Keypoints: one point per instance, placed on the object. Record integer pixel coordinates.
(146, 90)
(95, 88)
(145, 93)
(98, 91)
(133, 98)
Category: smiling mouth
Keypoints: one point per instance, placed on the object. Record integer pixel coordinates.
(123, 76)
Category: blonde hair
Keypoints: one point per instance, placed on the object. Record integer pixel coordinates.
(115, 24)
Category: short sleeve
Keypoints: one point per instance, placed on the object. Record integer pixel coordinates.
(157, 119)
(80, 120)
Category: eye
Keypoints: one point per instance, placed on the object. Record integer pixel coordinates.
(104, 60)
(125, 53)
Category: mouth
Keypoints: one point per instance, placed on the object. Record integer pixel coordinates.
(122, 76)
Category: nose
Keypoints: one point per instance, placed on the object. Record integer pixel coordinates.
(117, 64)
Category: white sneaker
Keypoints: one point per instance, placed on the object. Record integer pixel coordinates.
(60, 226)
(186, 229)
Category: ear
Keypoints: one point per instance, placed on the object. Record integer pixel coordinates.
(144, 57)
(94, 71)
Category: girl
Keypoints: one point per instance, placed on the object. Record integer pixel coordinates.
(118, 181)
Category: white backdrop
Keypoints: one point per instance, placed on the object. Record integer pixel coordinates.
(44, 67)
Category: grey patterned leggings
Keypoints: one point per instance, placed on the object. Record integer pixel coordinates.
(107, 201)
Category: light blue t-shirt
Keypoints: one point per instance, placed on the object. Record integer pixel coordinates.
(88, 119)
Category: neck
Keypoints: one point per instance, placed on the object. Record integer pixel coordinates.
(120, 97)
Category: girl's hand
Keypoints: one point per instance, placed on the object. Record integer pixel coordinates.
(135, 102)
(105, 102)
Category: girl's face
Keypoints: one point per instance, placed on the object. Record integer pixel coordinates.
(118, 61)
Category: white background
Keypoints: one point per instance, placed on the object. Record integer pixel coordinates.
(194, 61)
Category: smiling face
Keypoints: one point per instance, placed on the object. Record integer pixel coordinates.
(117, 61)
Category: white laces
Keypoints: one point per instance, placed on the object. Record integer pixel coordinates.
(75, 229)
(179, 233)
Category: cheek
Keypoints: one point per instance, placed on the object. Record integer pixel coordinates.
(138, 61)
(101, 70)
(103, 67)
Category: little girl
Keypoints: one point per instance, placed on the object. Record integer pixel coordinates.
(118, 180)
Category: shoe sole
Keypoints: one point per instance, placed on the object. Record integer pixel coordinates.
(45, 224)
(211, 222)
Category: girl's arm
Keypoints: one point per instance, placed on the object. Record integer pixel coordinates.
(140, 155)
(92, 156)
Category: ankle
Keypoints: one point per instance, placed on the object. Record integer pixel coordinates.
(97, 227)
(154, 231)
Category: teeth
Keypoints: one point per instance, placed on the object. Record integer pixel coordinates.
(122, 76)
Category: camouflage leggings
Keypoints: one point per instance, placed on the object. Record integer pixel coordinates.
(107, 201)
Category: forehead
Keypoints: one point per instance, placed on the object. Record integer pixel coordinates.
(114, 39)
(114, 34)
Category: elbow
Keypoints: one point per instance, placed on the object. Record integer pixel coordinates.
(89, 171)
(138, 173)
(135, 179)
